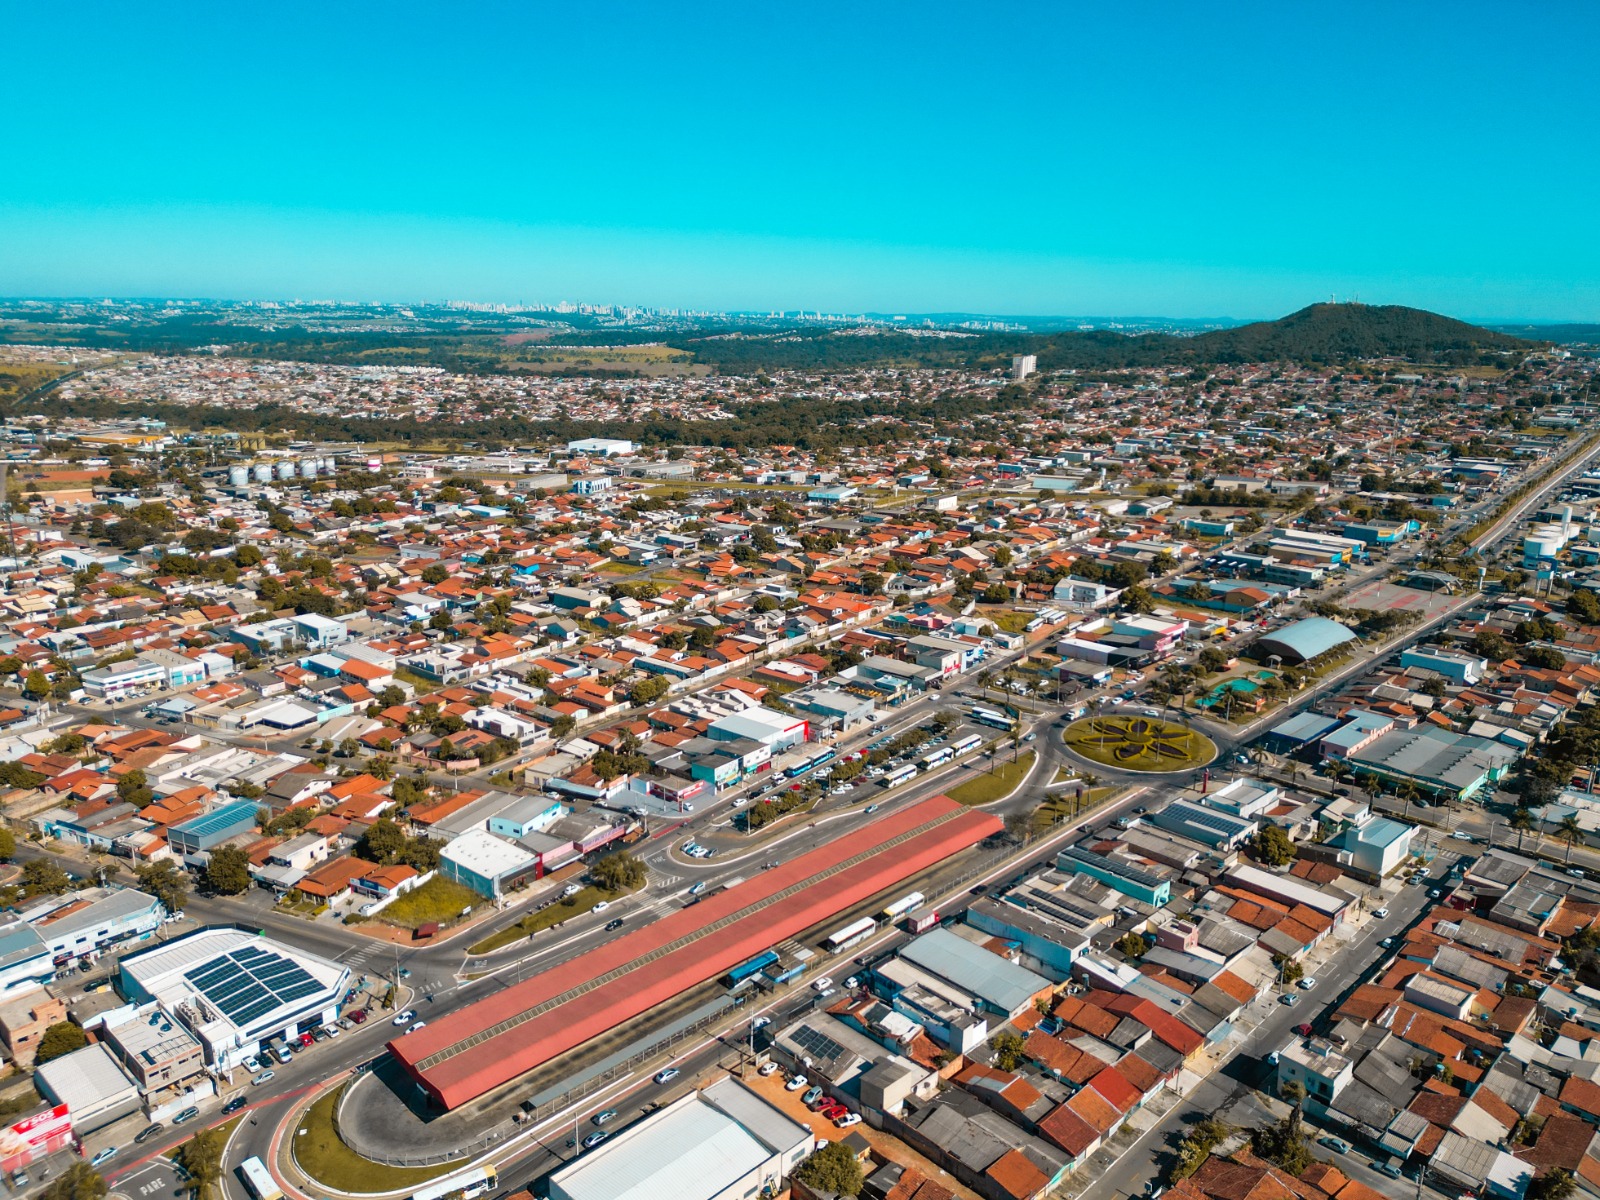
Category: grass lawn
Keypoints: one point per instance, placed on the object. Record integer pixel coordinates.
(544, 918)
(620, 568)
(981, 789)
(1061, 807)
(1139, 743)
(439, 899)
(330, 1162)
(1006, 620)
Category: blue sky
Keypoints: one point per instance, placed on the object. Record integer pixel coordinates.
(1176, 159)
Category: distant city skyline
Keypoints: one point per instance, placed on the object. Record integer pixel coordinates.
(1172, 160)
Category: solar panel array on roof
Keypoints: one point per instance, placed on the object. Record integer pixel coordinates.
(1193, 814)
(249, 982)
(816, 1043)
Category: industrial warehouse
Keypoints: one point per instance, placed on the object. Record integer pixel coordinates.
(492, 1042)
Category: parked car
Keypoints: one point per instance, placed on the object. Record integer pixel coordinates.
(1289, 1000)
(404, 1018)
(187, 1114)
(1575, 872)
(594, 1139)
(847, 1120)
(1380, 913)
(1385, 1168)
(148, 1132)
(264, 1077)
(1387, 943)
(825, 984)
(359, 1015)
(1303, 1029)
(1306, 984)
(601, 907)
(667, 1076)
(760, 1022)
(600, 1118)
(1337, 1144)
(768, 1068)
(105, 1155)
(796, 1082)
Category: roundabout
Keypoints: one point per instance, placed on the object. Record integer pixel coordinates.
(1127, 742)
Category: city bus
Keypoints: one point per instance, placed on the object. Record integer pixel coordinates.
(961, 745)
(752, 967)
(852, 934)
(901, 907)
(988, 716)
(899, 775)
(259, 1180)
(938, 758)
(468, 1185)
(809, 764)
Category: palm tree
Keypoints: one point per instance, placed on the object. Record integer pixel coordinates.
(1522, 821)
(1407, 791)
(1373, 787)
(1570, 832)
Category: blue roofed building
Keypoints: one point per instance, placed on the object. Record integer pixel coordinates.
(199, 834)
(1303, 640)
(1144, 886)
(1298, 732)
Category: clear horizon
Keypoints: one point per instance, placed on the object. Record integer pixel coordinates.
(1164, 159)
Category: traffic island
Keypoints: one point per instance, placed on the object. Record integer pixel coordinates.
(1138, 743)
(326, 1159)
(995, 785)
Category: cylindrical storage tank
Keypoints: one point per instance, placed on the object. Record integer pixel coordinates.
(308, 468)
(327, 465)
(238, 476)
(374, 465)
(286, 470)
(263, 472)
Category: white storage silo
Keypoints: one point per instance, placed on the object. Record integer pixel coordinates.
(238, 476)
(286, 470)
(263, 472)
(308, 468)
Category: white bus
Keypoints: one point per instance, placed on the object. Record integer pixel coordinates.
(938, 758)
(902, 906)
(961, 745)
(899, 775)
(988, 716)
(259, 1180)
(841, 940)
(479, 1181)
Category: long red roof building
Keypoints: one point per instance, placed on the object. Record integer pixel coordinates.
(490, 1043)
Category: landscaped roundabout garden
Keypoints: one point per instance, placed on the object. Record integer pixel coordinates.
(1132, 743)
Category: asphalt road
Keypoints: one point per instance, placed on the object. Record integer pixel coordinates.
(1246, 1069)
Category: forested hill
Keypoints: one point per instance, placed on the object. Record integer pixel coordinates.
(1335, 332)
(1322, 333)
